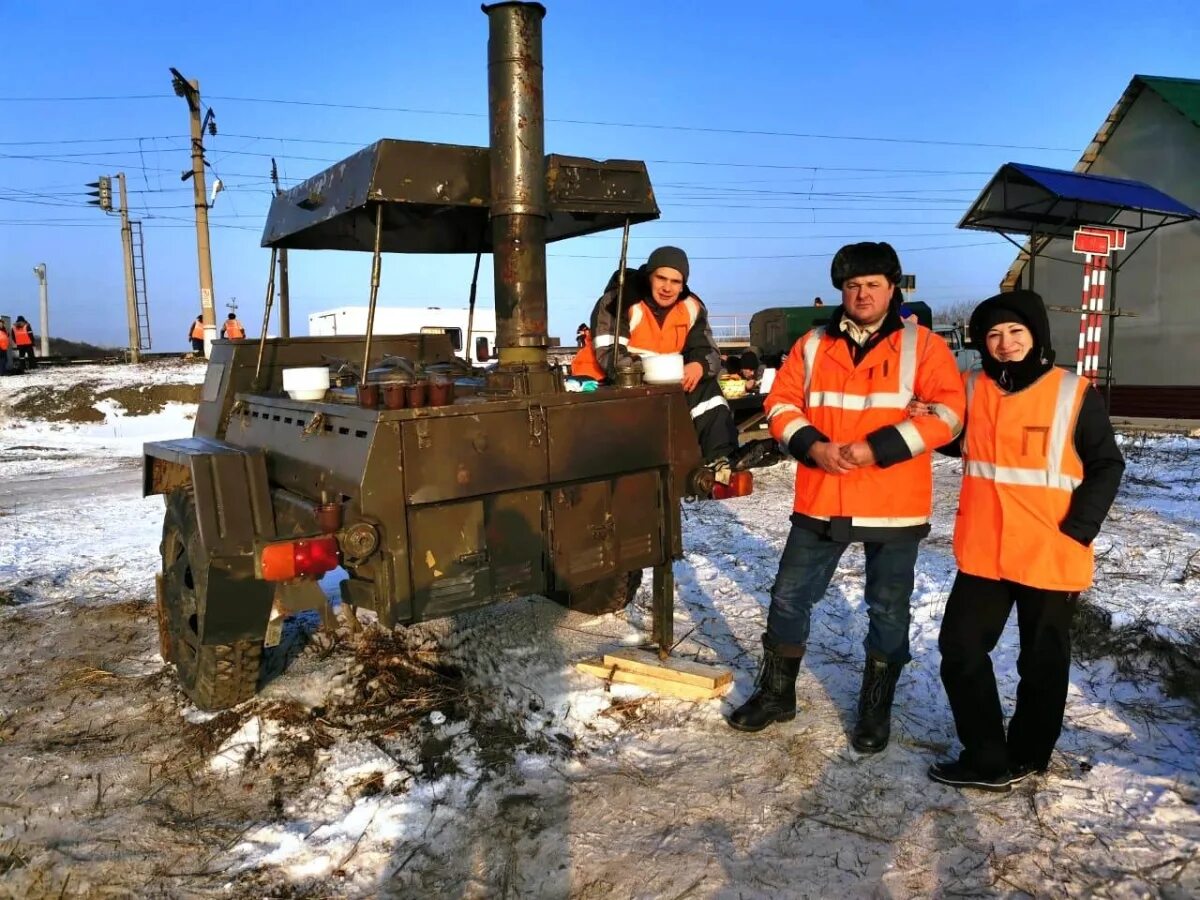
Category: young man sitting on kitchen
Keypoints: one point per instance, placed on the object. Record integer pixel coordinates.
(660, 315)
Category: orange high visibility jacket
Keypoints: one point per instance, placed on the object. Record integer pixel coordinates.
(22, 334)
(3, 340)
(197, 332)
(234, 330)
(1020, 467)
(585, 364)
(819, 387)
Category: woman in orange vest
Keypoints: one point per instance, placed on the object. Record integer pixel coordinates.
(1041, 469)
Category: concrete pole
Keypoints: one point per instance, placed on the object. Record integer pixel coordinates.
(135, 342)
(190, 90)
(40, 271)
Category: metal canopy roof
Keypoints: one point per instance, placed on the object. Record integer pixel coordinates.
(436, 199)
(1024, 199)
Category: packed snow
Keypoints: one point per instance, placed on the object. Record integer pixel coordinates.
(466, 757)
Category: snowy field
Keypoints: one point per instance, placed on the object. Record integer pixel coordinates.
(467, 758)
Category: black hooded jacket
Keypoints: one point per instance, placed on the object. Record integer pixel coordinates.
(1094, 439)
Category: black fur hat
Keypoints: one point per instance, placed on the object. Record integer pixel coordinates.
(867, 258)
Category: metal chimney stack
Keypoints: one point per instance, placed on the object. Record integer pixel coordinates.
(516, 115)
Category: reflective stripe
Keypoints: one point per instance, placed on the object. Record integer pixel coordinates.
(874, 400)
(782, 408)
(811, 343)
(971, 387)
(1017, 475)
(707, 406)
(858, 402)
(606, 340)
(642, 351)
(946, 414)
(912, 437)
(635, 316)
(692, 305)
(1064, 410)
(878, 521)
(789, 430)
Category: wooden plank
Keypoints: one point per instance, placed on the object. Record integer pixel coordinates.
(596, 666)
(671, 669)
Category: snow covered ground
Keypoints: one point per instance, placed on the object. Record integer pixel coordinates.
(467, 758)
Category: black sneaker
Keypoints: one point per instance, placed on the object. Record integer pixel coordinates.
(958, 774)
(1018, 772)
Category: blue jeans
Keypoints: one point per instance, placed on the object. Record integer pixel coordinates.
(805, 569)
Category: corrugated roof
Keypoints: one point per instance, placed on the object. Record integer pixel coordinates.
(1181, 93)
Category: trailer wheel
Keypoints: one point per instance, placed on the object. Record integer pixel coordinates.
(608, 595)
(213, 676)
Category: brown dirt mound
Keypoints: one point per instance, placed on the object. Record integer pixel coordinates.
(76, 404)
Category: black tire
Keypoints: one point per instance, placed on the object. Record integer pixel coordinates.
(607, 595)
(215, 676)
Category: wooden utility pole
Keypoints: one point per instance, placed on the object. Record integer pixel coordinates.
(190, 91)
(285, 306)
(135, 339)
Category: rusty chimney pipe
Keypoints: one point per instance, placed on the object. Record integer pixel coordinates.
(516, 117)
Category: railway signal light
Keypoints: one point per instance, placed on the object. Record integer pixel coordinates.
(102, 193)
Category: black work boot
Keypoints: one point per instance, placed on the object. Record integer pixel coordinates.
(875, 705)
(774, 698)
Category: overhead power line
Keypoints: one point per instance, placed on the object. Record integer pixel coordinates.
(650, 126)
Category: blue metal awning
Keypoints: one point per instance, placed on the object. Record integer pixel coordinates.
(1033, 200)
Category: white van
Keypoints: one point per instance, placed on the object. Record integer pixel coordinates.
(352, 320)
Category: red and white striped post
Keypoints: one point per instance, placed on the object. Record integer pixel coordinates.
(1094, 243)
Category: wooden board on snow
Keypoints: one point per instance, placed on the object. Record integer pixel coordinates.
(654, 678)
(684, 671)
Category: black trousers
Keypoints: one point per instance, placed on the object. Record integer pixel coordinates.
(975, 615)
(713, 420)
(25, 352)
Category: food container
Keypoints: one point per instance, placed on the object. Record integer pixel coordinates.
(418, 395)
(306, 383)
(395, 395)
(368, 395)
(662, 368)
(732, 387)
(441, 391)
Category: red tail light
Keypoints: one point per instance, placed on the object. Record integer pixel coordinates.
(741, 484)
(302, 558)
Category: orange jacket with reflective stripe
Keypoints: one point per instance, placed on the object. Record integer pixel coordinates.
(22, 334)
(3, 339)
(197, 332)
(1020, 467)
(234, 330)
(585, 364)
(647, 337)
(819, 385)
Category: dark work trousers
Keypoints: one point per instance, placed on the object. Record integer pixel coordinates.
(805, 570)
(25, 352)
(975, 615)
(713, 420)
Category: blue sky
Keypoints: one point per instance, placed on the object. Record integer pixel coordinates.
(759, 214)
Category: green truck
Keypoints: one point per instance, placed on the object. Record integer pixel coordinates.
(774, 331)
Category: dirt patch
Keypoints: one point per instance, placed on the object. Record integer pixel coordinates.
(76, 404)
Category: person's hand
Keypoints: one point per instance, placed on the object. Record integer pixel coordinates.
(692, 373)
(858, 454)
(828, 457)
(918, 408)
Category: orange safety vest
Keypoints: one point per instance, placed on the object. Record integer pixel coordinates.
(234, 330)
(3, 339)
(648, 338)
(819, 385)
(23, 334)
(585, 364)
(197, 333)
(1020, 468)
